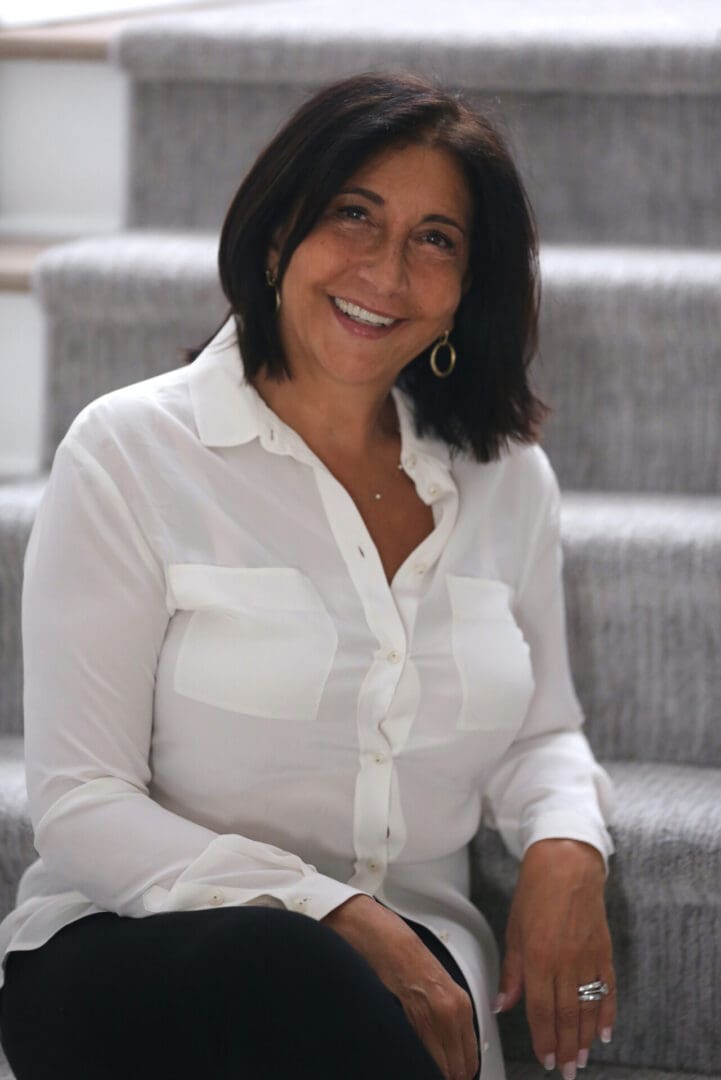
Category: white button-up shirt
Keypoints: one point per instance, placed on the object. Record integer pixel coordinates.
(227, 703)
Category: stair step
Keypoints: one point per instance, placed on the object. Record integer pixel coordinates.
(119, 309)
(18, 506)
(630, 347)
(638, 90)
(630, 358)
(528, 1070)
(642, 578)
(664, 907)
(16, 851)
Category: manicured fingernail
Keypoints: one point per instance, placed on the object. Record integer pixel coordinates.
(499, 1003)
(605, 1035)
(549, 1062)
(582, 1059)
(569, 1070)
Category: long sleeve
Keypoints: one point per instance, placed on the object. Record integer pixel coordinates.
(548, 783)
(94, 616)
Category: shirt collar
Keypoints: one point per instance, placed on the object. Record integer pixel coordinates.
(229, 411)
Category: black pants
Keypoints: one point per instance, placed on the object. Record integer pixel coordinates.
(237, 993)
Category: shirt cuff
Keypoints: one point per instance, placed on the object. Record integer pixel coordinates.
(565, 825)
(317, 895)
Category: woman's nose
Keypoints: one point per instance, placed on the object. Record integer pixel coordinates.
(384, 267)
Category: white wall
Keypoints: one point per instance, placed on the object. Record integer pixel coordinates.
(27, 12)
(22, 377)
(63, 147)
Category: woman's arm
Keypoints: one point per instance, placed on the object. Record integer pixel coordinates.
(94, 617)
(552, 803)
(548, 783)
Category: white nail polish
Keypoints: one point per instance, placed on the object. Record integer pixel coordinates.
(569, 1070)
(582, 1059)
(498, 1003)
(549, 1062)
(606, 1035)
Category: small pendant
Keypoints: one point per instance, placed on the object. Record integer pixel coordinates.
(377, 495)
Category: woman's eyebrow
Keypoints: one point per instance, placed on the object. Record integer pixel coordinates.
(374, 197)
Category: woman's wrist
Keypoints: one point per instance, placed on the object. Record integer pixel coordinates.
(568, 852)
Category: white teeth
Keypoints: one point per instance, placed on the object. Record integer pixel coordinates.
(360, 314)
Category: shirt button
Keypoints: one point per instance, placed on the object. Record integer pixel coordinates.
(410, 461)
(372, 865)
(443, 935)
(218, 897)
(394, 657)
(301, 901)
(485, 1047)
(433, 489)
(379, 759)
(420, 567)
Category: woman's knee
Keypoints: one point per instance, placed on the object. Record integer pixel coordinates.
(273, 941)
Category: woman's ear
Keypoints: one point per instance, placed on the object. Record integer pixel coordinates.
(272, 255)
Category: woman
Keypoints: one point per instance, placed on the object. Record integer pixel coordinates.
(293, 619)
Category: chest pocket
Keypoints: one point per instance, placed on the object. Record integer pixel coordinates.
(259, 641)
(491, 653)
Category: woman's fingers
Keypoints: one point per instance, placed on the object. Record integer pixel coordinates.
(444, 1024)
(561, 1025)
(460, 1047)
(541, 1008)
(588, 1020)
(470, 1045)
(575, 1022)
(607, 1009)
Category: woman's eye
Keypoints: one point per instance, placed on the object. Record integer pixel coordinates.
(352, 213)
(439, 239)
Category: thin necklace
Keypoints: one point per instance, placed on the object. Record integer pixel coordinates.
(379, 494)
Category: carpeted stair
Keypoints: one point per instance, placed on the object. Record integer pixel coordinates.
(613, 111)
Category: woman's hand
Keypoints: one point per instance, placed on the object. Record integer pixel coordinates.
(557, 938)
(440, 1011)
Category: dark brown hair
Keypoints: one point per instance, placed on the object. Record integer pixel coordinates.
(487, 398)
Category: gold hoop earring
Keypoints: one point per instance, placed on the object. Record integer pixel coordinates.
(434, 365)
(271, 277)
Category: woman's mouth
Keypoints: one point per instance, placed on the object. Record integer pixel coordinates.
(360, 321)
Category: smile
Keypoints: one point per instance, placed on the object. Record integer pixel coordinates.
(362, 315)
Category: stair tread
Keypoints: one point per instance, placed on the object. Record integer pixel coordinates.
(656, 47)
(522, 1070)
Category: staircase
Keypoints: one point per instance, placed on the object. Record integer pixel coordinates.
(613, 113)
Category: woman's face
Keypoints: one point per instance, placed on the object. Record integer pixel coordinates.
(393, 243)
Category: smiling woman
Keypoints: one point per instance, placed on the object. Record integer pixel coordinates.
(375, 267)
(293, 625)
(411, 179)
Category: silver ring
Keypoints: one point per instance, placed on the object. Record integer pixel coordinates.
(593, 991)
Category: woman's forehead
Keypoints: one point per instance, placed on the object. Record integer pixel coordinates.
(422, 171)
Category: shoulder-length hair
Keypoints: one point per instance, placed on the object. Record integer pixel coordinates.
(487, 398)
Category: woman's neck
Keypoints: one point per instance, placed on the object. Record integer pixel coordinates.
(353, 424)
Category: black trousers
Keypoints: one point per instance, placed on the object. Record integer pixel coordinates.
(237, 993)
